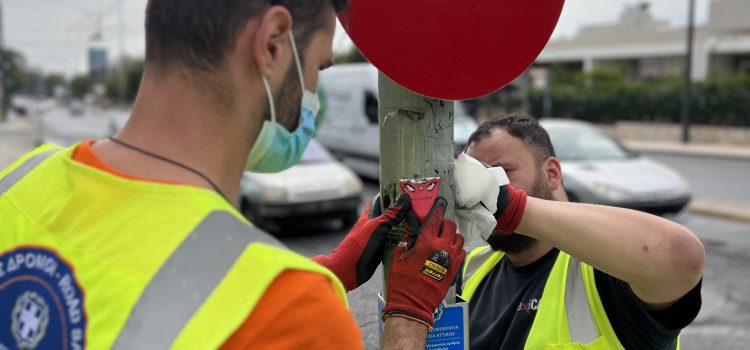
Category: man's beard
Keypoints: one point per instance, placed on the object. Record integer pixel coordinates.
(517, 243)
(288, 102)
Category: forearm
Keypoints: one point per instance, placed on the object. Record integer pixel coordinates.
(660, 259)
(401, 333)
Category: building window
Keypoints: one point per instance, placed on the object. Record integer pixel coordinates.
(743, 66)
(651, 68)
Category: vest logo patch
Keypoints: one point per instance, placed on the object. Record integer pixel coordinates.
(30, 318)
(42, 300)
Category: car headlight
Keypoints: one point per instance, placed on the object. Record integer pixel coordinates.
(273, 194)
(353, 184)
(612, 193)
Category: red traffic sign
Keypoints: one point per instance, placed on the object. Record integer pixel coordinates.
(451, 49)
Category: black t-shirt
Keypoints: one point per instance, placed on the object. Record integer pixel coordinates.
(503, 308)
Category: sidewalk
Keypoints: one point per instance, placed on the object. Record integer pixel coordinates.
(721, 207)
(17, 125)
(733, 209)
(17, 136)
(700, 150)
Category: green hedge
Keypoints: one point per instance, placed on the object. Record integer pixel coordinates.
(606, 97)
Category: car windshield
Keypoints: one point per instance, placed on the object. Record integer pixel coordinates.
(582, 143)
(315, 153)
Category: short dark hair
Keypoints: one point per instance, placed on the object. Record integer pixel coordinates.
(198, 33)
(525, 128)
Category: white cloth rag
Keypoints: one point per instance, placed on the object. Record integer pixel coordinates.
(476, 188)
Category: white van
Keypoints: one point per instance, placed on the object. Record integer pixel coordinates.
(349, 126)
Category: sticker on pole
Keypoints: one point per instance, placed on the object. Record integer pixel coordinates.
(448, 49)
(423, 193)
(451, 329)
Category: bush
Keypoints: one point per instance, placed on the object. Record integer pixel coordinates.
(607, 97)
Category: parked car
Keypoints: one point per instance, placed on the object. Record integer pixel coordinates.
(77, 108)
(598, 169)
(349, 126)
(318, 187)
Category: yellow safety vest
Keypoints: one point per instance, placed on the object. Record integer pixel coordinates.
(570, 315)
(91, 259)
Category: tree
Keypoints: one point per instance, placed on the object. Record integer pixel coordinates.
(81, 85)
(11, 65)
(52, 81)
(133, 73)
(353, 56)
(33, 83)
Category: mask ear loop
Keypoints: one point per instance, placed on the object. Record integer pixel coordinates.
(299, 73)
(297, 61)
(270, 99)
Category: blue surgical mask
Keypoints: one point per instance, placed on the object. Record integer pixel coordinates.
(276, 149)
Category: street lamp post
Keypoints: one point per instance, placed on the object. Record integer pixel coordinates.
(688, 84)
(122, 81)
(416, 141)
(2, 62)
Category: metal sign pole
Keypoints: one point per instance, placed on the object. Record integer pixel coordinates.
(687, 90)
(416, 141)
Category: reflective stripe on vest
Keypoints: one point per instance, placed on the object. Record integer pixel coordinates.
(580, 323)
(564, 314)
(118, 235)
(479, 262)
(26, 167)
(186, 279)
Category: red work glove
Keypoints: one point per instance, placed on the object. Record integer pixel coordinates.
(357, 257)
(421, 273)
(510, 206)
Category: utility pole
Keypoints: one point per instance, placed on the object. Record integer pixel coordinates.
(687, 90)
(416, 141)
(547, 101)
(121, 48)
(2, 65)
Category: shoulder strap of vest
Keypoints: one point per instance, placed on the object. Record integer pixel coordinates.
(580, 322)
(24, 166)
(563, 315)
(186, 280)
(478, 264)
(598, 313)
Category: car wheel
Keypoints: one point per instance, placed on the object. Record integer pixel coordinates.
(350, 218)
(572, 197)
(247, 212)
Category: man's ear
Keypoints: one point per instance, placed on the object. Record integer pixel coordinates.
(272, 40)
(553, 170)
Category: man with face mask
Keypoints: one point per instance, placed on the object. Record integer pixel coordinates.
(560, 275)
(135, 243)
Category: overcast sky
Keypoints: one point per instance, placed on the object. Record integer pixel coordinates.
(54, 35)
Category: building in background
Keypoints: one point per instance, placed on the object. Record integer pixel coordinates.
(646, 47)
(2, 74)
(98, 67)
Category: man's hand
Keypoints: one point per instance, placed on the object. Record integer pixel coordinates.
(357, 257)
(421, 273)
(511, 203)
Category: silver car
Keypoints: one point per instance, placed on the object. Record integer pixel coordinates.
(318, 187)
(598, 169)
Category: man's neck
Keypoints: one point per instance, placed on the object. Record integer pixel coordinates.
(529, 256)
(179, 123)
